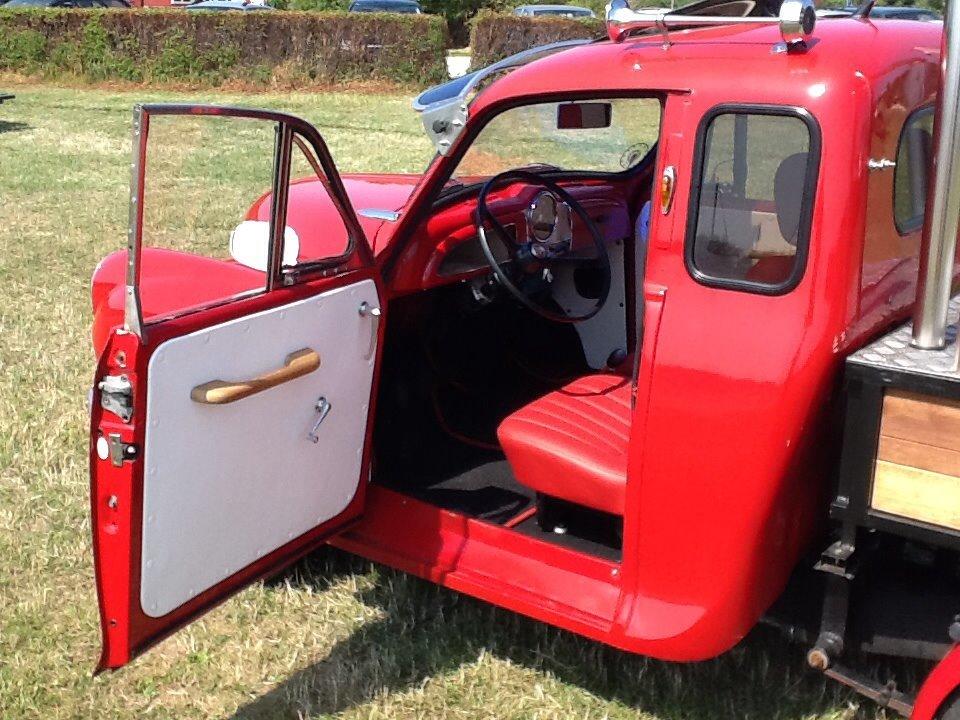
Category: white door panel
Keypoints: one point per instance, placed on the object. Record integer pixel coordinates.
(227, 484)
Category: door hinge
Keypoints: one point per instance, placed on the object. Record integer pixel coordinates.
(116, 395)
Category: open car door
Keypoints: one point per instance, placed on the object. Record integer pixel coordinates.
(230, 420)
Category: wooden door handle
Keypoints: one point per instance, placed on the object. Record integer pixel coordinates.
(220, 392)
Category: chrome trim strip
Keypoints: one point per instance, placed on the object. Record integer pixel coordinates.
(378, 214)
(132, 307)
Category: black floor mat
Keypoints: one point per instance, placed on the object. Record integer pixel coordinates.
(487, 491)
(606, 550)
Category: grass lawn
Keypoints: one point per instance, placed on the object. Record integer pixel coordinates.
(332, 637)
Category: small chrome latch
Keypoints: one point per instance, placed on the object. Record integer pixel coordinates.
(368, 309)
(120, 451)
(378, 214)
(323, 407)
(116, 396)
(881, 164)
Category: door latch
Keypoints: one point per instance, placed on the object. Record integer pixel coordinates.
(116, 450)
(323, 407)
(116, 396)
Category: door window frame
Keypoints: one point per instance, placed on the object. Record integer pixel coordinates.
(287, 127)
(806, 212)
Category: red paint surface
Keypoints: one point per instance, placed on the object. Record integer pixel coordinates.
(937, 688)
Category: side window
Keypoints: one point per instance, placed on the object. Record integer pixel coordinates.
(913, 167)
(752, 197)
(201, 175)
(221, 191)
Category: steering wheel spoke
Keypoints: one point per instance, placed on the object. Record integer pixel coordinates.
(533, 268)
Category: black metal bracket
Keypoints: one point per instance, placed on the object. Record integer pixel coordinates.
(839, 559)
(885, 695)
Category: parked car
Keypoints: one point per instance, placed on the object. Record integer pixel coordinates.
(68, 3)
(628, 357)
(891, 12)
(409, 7)
(884, 12)
(570, 11)
(227, 5)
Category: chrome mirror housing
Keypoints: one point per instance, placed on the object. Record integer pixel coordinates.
(797, 20)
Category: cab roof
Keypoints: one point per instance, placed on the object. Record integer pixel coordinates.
(725, 58)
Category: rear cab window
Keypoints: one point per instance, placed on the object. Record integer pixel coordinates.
(752, 196)
(913, 167)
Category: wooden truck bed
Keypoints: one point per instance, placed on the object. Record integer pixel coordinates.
(900, 470)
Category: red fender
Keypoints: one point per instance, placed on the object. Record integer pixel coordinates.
(942, 681)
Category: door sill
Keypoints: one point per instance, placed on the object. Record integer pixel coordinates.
(544, 580)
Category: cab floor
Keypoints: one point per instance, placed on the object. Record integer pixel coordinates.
(487, 491)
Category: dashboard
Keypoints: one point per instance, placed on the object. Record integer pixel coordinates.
(447, 249)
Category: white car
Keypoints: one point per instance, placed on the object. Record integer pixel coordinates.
(220, 5)
(570, 11)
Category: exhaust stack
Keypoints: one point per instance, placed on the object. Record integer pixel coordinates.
(942, 216)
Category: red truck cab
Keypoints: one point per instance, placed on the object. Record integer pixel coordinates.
(600, 388)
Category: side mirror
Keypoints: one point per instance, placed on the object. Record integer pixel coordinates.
(584, 116)
(250, 245)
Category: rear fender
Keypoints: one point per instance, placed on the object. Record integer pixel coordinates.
(937, 688)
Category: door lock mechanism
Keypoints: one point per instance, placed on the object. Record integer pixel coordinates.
(116, 450)
(323, 407)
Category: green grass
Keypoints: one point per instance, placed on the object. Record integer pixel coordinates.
(333, 637)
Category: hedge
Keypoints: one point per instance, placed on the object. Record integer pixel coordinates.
(208, 48)
(494, 37)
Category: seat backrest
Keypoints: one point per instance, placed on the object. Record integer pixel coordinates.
(788, 185)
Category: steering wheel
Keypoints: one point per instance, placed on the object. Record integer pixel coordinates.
(529, 271)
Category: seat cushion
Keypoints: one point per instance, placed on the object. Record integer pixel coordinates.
(572, 443)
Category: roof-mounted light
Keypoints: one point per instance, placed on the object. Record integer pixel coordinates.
(796, 21)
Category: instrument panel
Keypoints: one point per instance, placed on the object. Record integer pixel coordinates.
(447, 249)
(549, 226)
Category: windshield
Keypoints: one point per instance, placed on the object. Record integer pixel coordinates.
(531, 135)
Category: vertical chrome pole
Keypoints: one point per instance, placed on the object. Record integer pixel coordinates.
(942, 217)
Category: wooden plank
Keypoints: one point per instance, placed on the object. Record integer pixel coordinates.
(918, 455)
(923, 495)
(921, 419)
